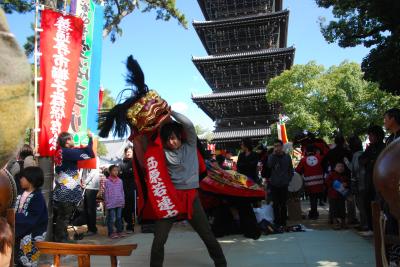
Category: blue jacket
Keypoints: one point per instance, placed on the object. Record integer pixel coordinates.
(68, 183)
(33, 217)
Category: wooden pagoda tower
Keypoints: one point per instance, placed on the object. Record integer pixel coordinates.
(246, 45)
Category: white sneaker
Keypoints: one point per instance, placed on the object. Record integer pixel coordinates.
(367, 233)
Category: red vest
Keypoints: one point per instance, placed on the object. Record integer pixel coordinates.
(313, 174)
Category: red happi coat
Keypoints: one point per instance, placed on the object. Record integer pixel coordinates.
(158, 197)
(311, 168)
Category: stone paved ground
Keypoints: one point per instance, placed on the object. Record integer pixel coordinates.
(321, 247)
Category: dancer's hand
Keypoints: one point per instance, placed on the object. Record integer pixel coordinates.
(89, 134)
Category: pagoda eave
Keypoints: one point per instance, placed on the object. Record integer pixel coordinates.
(284, 14)
(263, 53)
(230, 95)
(281, 19)
(238, 134)
(236, 106)
(244, 70)
(278, 7)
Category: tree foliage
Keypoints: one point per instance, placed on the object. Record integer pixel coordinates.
(324, 101)
(114, 12)
(203, 132)
(101, 149)
(372, 23)
(108, 100)
(200, 129)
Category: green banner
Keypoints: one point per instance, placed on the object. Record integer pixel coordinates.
(85, 9)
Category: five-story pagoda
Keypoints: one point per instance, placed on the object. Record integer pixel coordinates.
(246, 42)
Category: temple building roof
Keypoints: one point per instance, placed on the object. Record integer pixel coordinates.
(239, 134)
(261, 31)
(245, 55)
(239, 107)
(219, 9)
(240, 20)
(230, 94)
(244, 70)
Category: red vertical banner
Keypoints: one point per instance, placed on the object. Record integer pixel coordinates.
(60, 45)
(281, 127)
(283, 133)
(101, 95)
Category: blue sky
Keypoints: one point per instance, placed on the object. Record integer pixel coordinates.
(165, 49)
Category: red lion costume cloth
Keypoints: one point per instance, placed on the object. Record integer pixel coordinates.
(143, 113)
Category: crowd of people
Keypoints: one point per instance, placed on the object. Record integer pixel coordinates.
(342, 174)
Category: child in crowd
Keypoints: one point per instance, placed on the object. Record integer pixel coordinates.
(30, 218)
(6, 242)
(114, 201)
(337, 183)
(310, 167)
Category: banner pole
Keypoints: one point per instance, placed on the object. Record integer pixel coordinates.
(36, 56)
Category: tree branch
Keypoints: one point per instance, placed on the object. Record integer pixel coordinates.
(371, 32)
(117, 19)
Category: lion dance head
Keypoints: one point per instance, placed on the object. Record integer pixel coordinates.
(142, 112)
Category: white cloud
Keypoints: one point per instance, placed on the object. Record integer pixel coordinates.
(180, 107)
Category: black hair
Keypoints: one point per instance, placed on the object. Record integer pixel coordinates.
(112, 167)
(220, 159)
(310, 148)
(229, 151)
(127, 148)
(201, 149)
(207, 154)
(34, 175)
(355, 143)
(6, 236)
(248, 143)
(278, 141)
(25, 151)
(106, 172)
(394, 113)
(340, 162)
(377, 131)
(169, 128)
(339, 139)
(63, 138)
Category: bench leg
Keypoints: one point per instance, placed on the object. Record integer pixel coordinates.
(378, 235)
(113, 261)
(56, 260)
(84, 261)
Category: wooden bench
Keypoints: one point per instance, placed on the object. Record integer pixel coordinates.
(84, 251)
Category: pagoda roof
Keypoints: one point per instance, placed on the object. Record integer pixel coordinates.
(240, 103)
(243, 70)
(230, 94)
(208, 30)
(278, 6)
(245, 55)
(238, 134)
(242, 19)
